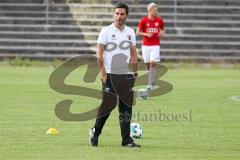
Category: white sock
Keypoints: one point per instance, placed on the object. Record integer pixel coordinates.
(152, 78)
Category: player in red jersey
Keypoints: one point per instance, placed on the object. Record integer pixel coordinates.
(152, 29)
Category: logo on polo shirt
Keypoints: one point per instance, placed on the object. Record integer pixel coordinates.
(129, 37)
(156, 24)
(114, 37)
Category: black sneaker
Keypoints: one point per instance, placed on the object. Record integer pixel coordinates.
(93, 140)
(132, 145)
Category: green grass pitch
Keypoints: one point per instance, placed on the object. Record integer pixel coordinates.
(213, 132)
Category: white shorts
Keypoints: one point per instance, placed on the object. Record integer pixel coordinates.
(151, 53)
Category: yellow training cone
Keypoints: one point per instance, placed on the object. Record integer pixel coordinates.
(52, 131)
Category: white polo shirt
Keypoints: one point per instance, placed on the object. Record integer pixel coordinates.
(117, 48)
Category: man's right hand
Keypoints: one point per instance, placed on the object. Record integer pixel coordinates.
(104, 78)
(148, 35)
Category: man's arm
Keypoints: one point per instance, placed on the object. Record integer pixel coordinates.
(134, 59)
(162, 29)
(139, 32)
(99, 54)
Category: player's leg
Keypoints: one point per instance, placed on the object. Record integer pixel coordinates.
(125, 115)
(151, 75)
(146, 57)
(154, 58)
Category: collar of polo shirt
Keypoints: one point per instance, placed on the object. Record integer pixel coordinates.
(124, 29)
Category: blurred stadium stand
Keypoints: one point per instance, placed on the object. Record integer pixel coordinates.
(200, 29)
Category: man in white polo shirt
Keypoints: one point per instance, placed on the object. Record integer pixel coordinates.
(115, 50)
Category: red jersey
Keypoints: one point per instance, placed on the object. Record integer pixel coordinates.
(151, 26)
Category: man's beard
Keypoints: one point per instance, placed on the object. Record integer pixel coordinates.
(120, 22)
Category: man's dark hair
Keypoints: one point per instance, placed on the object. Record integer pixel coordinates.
(121, 5)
